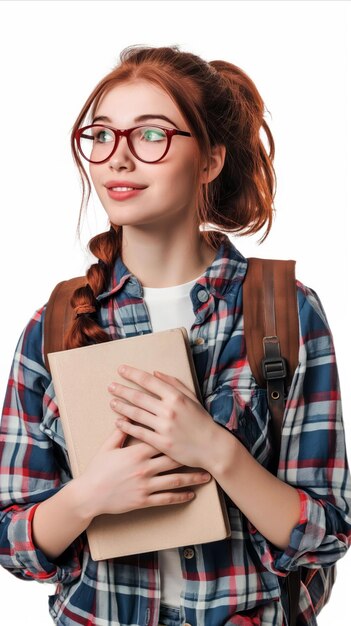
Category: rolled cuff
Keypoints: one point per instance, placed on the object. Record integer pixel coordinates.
(305, 539)
(32, 561)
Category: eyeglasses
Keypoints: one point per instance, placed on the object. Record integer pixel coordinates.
(149, 144)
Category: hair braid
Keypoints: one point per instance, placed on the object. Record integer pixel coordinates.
(85, 329)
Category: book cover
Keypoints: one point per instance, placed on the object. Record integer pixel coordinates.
(80, 377)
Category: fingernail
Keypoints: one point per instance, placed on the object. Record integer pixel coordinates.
(111, 387)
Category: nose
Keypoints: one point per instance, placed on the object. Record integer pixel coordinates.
(121, 154)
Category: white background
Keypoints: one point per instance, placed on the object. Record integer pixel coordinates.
(52, 56)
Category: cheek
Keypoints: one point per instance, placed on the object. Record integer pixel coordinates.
(188, 167)
(186, 175)
(181, 177)
(93, 174)
(97, 182)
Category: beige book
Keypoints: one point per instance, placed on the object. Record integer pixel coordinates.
(80, 378)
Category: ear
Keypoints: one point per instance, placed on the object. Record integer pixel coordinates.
(218, 153)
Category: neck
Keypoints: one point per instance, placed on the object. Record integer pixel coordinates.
(165, 261)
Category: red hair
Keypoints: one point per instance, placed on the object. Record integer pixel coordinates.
(222, 106)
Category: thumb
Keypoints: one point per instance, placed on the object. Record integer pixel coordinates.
(115, 439)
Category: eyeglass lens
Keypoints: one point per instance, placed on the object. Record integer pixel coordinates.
(97, 143)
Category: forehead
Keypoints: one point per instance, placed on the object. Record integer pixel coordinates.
(125, 102)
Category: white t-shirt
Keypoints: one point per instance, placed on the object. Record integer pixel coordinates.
(170, 307)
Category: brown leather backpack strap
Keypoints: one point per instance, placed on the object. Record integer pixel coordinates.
(270, 309)
(271, 327)
(59, 314)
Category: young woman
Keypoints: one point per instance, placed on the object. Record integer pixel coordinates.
(172, 144)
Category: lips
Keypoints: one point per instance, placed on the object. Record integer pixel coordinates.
(123, 183)
(123, 195)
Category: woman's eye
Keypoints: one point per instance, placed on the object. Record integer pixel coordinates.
(103, 136)
(153, 134)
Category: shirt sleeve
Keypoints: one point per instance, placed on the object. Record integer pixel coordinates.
(29, 469)
(313, 456)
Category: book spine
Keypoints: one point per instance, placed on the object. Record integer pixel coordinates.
(55, 371)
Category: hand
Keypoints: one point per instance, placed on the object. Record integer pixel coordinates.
(182, 428)
(119, 479)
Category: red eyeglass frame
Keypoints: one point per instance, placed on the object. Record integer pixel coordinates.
(170, 132)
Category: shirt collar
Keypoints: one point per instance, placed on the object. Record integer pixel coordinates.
(228, 267)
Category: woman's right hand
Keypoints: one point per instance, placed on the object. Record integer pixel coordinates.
(117, 480)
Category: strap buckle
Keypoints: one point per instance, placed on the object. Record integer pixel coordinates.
(274, 368)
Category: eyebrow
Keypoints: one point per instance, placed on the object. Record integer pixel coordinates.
(141, 118)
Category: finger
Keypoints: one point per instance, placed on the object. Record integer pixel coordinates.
(171, 497)
(158, 382)
(135, 397)
(175, 382)
(145, 379)
(115, 439)
(163, 464)
(177, 481)
(143, 434)
(150, 452)
(122, 409)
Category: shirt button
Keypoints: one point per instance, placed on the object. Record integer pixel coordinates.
(199, 341)
(202, 295)
(188, 553)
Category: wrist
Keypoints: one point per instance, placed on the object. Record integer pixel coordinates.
(222, 452)
(81, 501)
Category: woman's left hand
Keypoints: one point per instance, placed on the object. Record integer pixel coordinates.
(182, 428)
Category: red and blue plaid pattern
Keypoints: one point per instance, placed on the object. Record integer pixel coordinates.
(232, 582)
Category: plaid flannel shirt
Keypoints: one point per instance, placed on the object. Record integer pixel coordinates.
(231, 582)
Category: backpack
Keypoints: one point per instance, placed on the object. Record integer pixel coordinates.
(271, 327)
